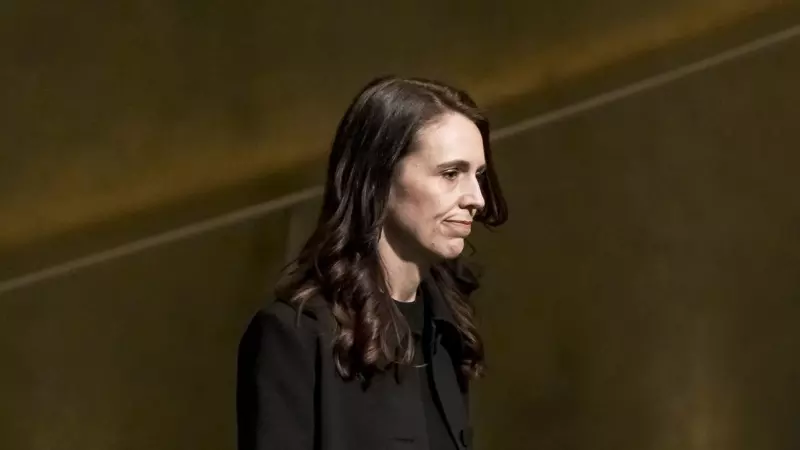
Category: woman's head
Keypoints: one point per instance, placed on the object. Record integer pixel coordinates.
(412, 159)
(435, 192)
(410, 167)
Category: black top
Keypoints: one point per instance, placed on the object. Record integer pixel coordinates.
(419, 320)
(290, 394)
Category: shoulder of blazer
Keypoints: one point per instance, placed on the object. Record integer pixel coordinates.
(277, 330)
(315, 316)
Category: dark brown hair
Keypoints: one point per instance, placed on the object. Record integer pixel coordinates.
(339, 262)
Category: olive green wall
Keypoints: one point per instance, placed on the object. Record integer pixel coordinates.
(644, 294)
(112, 108)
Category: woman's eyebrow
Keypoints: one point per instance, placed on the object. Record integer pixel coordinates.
(458, 164)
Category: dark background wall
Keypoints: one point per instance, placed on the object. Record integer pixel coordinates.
(647, 279)
(111, 108)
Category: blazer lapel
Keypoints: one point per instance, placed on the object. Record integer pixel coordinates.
(444, 356)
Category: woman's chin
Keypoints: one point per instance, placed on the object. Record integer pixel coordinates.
(449, 250)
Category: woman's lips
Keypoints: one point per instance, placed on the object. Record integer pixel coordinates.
(463, 226)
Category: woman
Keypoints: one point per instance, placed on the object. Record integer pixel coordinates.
(372, 343)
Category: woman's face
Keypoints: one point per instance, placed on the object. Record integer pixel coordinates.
(435, 191)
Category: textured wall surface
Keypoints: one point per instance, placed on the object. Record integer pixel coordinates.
(650, 276)
(111, 108)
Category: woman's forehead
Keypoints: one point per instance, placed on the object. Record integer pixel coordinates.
(451, 138)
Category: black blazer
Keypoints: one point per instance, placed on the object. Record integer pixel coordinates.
(290, 397)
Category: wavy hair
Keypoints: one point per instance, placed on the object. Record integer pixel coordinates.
(339, 262)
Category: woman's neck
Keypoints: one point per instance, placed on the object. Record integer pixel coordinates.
(402, 276)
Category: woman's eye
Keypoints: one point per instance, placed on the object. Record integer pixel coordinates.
(450, 174)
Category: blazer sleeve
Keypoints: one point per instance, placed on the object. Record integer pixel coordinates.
(276, 381)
